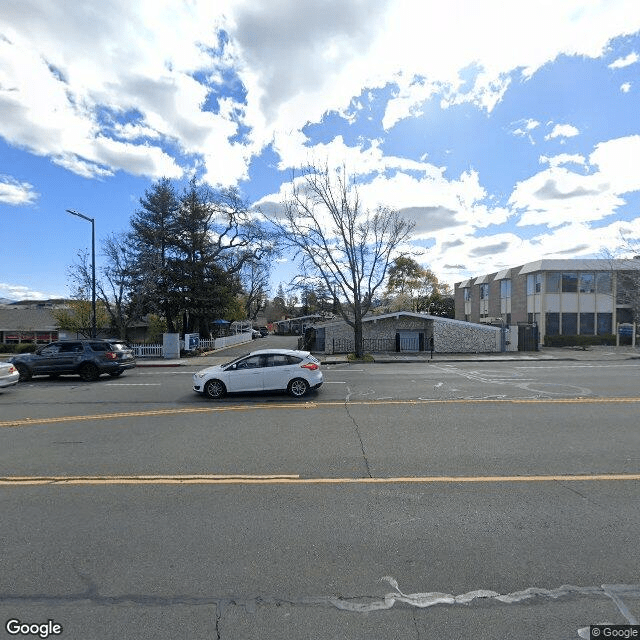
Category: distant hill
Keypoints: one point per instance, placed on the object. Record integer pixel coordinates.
(6, 301)
(38, 303)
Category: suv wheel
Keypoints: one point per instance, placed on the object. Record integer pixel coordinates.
(23, 371)
(89, 372)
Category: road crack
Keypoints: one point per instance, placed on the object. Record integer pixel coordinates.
(357, 430)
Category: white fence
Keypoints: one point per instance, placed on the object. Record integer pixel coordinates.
(156, 350)
(147, 350)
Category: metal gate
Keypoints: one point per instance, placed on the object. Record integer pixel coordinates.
(528, 337)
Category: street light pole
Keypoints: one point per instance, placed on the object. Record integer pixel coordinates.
(93, 268)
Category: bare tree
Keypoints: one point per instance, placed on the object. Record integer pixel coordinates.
(255, 282)
(113, 285)
(627, 270)
(347, 246)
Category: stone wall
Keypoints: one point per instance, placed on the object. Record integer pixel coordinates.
(450, 336)
(464, 337)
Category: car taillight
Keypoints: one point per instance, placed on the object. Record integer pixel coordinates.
(310, 365)
(110, 355)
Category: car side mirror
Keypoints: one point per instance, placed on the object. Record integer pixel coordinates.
(39, 351)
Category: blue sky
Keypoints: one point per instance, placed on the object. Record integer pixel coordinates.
(508, 132)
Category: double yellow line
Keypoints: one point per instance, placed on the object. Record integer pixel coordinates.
(294, 479)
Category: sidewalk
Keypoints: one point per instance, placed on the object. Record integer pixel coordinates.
(594, 354)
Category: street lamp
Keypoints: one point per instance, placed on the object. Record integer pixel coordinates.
(93, 267)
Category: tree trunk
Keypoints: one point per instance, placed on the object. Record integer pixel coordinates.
(357, 336)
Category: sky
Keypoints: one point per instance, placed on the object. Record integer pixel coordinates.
(507, 130)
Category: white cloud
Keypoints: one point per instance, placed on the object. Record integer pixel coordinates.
(70, 86)
(21, 292)
(617, 161)
(557, 196)
(562, 131)
(15, 192)
(137, 72)
(563, 158)
(620, 63)
(625, 87)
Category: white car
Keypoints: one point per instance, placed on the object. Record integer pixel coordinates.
(266, 370)
(8, 374)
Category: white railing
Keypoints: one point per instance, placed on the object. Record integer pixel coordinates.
(156, 350)
(147, 350)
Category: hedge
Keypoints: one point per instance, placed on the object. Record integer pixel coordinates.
(24, 347)
(580, 341)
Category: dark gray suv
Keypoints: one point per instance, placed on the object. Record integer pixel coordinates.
(86, 358)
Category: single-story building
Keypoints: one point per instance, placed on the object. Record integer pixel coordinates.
(406, 331)
(19, 324)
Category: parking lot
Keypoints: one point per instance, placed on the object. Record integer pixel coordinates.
(410, 499)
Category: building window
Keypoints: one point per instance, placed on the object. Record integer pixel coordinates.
(626, 287)
(534, 283)
(505, 289)
(587, 325)
(552, 322)
(466, 292)
(569, 324)
(605, 324)
(484, 291)
(603, 283)
(569, 283)
(587, 283)
(553, 282)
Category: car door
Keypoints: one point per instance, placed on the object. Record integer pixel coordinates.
(278, 371)
(69, 356)
(246, 374)
(46, 359)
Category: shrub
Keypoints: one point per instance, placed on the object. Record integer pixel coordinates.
(24, 347)
(579, 341)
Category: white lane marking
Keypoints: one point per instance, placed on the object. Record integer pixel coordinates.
(133, 384)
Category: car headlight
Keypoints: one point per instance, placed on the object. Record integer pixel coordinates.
(200, 374)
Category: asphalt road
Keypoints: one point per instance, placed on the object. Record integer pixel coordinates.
(445, 500)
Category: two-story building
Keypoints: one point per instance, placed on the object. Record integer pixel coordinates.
(561, 297)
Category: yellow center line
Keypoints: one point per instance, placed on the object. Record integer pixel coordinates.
(293, 479)
(26, 422)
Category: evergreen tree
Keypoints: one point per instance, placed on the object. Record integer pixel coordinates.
(152, 228)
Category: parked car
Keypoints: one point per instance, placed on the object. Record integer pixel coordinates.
(8, 374)
(263, 331)
(255, 334)
(265, 370)
(86, 358)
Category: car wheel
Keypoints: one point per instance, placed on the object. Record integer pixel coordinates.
(215, 389)
(298, 387)
(115, 374)
(89, 372)
(24, 372)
